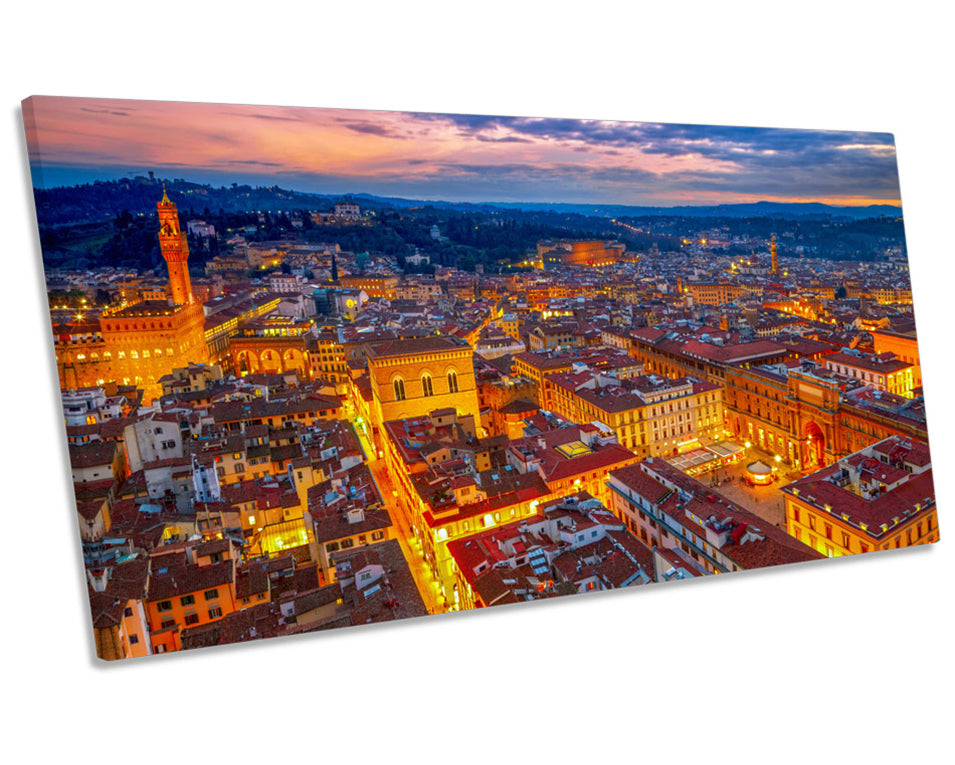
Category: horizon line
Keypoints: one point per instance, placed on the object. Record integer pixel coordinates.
(130, 176)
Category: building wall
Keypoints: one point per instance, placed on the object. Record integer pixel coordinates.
(410, 369)
(829, 534)
(904, 347)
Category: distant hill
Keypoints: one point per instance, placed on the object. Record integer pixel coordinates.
(749, 210)
(101, 201)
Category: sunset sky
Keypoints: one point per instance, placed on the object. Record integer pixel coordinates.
(455, 157)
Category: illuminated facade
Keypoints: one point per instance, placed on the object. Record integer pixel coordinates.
(575, 252)
(811, 417)
(272, 344)
(374, 286)
(140, 343)
(411, 378)
(880, 498)
(904, 344)
(649, 415)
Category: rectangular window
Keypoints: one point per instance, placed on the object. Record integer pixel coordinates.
(133, 639)
(215, 612)
(192, 618)
(346, 543)
(211, 594)
(187, 600)
(164, 605)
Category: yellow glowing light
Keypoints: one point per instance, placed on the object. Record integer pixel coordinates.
(748, 444)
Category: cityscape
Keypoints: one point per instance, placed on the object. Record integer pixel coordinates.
(386, 365)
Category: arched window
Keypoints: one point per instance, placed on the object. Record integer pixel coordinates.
(453, 381)
(399, 389)
(427, 385)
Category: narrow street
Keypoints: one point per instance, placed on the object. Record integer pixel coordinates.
(426, 583)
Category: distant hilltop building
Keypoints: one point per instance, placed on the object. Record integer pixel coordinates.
(417, 259)
(140, 343)
(348, 211)
(344, 212)
(201, 228)
(554, 253)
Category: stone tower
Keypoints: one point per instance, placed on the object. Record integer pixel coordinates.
(772, 253)
(175, 251)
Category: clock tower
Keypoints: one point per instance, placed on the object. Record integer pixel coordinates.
(175, 251)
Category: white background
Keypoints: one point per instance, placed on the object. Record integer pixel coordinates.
(842, 660)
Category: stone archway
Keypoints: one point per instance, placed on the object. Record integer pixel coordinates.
(294, 359)
(814, 447)
(246, 362)
(271, 361)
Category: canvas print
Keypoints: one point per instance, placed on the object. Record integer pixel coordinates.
(321, 368)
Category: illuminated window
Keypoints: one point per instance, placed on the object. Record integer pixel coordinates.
(427, 385)
(158, 352)
(134, 354)
(251, 520)
(399, 385)
(81, 357)
(145, 354)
